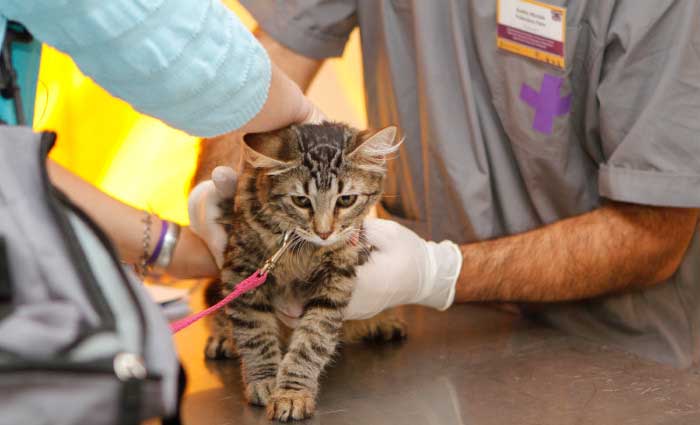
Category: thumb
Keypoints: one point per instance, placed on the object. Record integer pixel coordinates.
(311, 114)
(196, 200)
(224, 179)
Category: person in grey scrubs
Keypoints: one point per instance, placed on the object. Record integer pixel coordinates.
(572, 191)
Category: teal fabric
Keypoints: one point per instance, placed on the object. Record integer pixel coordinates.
(25, 57)
(190, 63)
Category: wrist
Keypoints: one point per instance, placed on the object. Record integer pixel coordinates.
(473, 284)
(284, 106)
(158, 252)
(191, 258)
(445, 263)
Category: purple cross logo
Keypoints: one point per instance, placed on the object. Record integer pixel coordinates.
(547, 103)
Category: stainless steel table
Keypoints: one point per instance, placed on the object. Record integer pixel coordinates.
(468, 366)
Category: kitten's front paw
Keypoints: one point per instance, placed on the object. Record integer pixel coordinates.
(288, 404)
(258, 392)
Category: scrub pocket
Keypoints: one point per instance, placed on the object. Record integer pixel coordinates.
(534, 101)
(555, 166)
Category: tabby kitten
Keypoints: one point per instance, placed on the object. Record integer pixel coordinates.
(318, 181)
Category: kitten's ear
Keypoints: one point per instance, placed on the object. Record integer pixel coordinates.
(269, 150)
(372, 148)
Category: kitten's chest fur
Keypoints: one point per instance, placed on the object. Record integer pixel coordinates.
(294, 267)
(297, 274)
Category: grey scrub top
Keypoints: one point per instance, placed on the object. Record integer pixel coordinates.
(477, 165)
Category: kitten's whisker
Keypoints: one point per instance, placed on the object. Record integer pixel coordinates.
(296, 245)
(296, 251)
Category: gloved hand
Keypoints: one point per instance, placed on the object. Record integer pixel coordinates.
(203, 208)
(403, 269)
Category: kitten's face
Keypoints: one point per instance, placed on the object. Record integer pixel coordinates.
(319, 180)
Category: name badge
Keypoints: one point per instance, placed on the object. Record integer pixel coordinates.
(532, 29)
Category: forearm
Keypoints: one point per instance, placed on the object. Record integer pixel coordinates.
(614, 248)
(124, 225)
(291, 74)
(300, 69)
(285, 105)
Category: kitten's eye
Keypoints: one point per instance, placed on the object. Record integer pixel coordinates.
(346, 201)
(301, 201)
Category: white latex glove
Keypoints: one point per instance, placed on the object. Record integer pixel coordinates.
(403, 269)
(204, 211)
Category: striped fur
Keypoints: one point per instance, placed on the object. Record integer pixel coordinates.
(318, 181)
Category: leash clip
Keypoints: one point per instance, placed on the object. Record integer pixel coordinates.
(271, 262)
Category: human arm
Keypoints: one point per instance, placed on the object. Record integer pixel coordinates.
(190, 63)
(641, 132)
(299, 36)
(614, 248)
(299, 68)
(638, 99)
(124, 225)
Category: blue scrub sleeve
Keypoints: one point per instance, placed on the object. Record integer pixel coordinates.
(190, 63)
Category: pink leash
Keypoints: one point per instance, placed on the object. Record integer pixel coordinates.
(246, 285)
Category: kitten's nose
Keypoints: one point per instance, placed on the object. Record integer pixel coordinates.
(323, 235)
